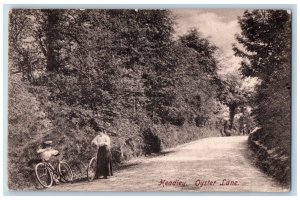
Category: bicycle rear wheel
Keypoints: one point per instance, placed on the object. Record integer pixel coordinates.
(44, 175)
(91, 170)
(65, 171)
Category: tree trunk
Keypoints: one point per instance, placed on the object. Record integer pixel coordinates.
(51, 33)
(232, 109)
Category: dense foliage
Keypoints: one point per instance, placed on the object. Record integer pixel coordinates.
(266, 41)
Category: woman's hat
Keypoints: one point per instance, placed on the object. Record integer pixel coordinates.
(48, 142)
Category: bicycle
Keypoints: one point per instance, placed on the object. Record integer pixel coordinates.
(91, 170)
(45, 173)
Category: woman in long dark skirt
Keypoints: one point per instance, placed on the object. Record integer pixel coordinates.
(104, 158)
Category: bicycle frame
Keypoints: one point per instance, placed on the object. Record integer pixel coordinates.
(51, 168)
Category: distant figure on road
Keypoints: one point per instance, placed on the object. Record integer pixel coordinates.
(104, 158)
(226, 131)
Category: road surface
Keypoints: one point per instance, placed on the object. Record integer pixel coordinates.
(220, 164)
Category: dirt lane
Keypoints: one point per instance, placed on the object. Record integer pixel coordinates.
(199, 166)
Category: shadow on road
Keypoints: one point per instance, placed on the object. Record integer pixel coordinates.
(162, 153)
(125, 166)
(116, 168)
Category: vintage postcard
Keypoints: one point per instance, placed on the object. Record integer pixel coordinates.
(149, 100)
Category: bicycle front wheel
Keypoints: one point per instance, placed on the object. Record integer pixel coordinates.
(65, 171)
(91, 170)
(44, 175)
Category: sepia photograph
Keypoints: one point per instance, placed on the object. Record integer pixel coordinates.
(149, 100)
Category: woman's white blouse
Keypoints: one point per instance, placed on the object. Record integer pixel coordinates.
(47, 153)
(101, 140)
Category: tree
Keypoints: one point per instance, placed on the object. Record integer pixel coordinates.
(17, 29)
(198, 68)
(20, 48)
(266, 49)
(205, 58)
(50, 36)
(161, 64)
(232, 94)
(266, 42)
